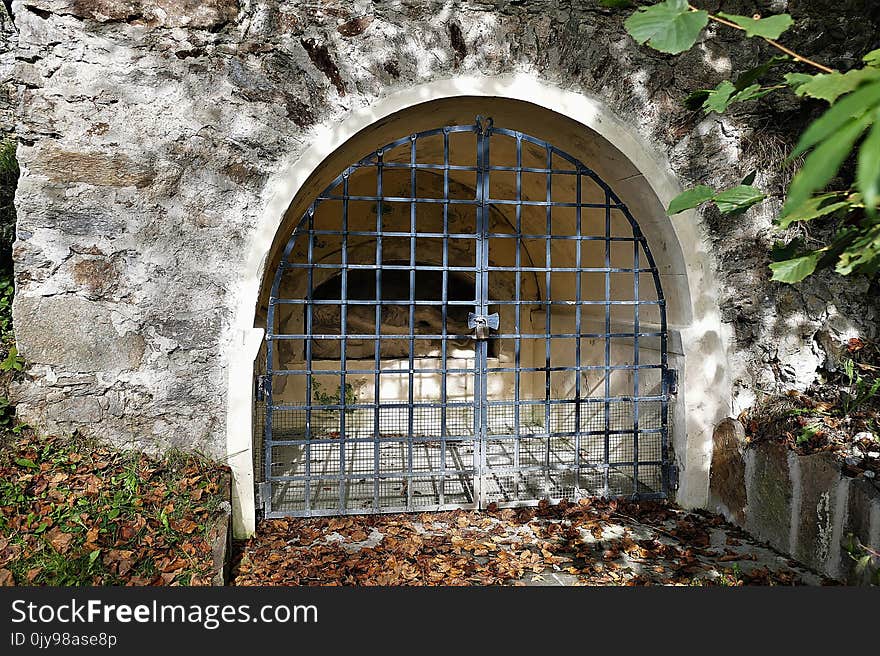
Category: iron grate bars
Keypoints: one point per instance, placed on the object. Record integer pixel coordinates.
(379, 398)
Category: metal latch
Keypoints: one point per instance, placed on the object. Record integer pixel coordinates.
(482, 323)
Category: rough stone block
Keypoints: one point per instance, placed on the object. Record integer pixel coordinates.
(769, 494)
(84, 340)
(93, 168)
(197, 14)
(819, 481)
(863, 523)
(78, 410)
(727, 476)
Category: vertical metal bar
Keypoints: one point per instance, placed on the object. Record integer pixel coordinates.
(481, 277)
(377, 363)
(577, 347)
(607, 454)
(412, 321)
(517, 321)
(308, 331)
(636, 267)
(548, 315)
(343, 316)
(267, 429)
(444, 399)
(664, 385)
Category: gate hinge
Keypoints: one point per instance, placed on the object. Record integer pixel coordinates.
(260, 387)
(264, 493)
(672, 382)
(672, 476)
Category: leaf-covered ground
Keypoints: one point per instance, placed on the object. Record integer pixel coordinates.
(594, 542)
(73, 513)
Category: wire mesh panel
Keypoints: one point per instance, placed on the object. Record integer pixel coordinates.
(467, 316)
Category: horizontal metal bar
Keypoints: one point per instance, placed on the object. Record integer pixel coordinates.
(405, 199)
(583, 367)
(350, 301)
(334, 512)
(355, 406)
(374, 233)
(449, 473)
(453, 439)
(434, 337)
(468, 201)
(373, 267)
(539, 236)
(585, 399)
(459, 370)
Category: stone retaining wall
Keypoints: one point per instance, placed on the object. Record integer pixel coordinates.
(801, 505)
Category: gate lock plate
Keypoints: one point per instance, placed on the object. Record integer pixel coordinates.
(482, 323)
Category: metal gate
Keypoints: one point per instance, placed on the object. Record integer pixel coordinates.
(468, 316)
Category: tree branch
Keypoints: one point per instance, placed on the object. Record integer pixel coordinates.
(775, 44)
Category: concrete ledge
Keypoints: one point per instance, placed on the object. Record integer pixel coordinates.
(220, 536)
(802, 505)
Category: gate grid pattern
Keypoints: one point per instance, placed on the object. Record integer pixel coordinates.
(468, 316)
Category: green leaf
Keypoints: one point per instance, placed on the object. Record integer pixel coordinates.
(690, 199)
(795, 270)
(872, 58)
(93, 556)
(830, 86)
(797, 80)
(719, 98)
(862, 253)
(725, 94)
(853, 105)
(26, 462)
(750, 178)
(753, 75)
(815, 207)
(824, 162)
(868, 169)
(669, 26)
(738, 199)
(768, 28)
(752, 93)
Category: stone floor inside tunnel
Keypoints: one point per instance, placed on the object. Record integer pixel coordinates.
(330, 475)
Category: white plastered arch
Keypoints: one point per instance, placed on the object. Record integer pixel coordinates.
(704, 398)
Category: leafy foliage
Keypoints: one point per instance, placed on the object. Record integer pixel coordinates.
(325, 398)
(768, 28)
(729, 201)
(669, 26)
(848, 129)
(8, 179)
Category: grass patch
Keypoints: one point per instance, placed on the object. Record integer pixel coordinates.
(76, 513)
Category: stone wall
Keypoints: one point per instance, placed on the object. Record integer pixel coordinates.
(149, 128)
(801, 505)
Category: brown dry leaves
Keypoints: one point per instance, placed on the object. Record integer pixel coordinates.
(75, 515)
(594, 542)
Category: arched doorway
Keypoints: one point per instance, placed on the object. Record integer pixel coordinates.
(467, 316)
